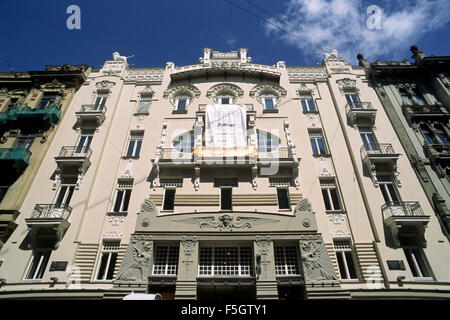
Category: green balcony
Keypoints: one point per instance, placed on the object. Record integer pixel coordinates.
(30, 119)
(13, 162)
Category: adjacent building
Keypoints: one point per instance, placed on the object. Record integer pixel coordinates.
(225, 179)
(416, 97)
(31, 107)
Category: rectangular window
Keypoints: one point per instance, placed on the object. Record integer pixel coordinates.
(417, 263)
(169, 199)
(269, 103)
(226, 261)
(307, 103)
(226, 200)
(100, 101)
(84, 141)
(108, 258)
(353, 100)
(25, 142)
(144, 104)
(134, 145)
(330, 195)
(122, 196)
(225, 100)
(166, 260)
(38, 264)
(388, 189)
(286, 261)
(369, 139)
(345, 259)
(64, 196)
(283, 198)
(48, 98)
(317, 143)
(12, 103)
(181, 105)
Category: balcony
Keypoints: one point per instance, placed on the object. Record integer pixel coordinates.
(31, 119)
(439, 155)
(400, 217)
(360, 113)
(221, 155)
(13, 162)
(374, 153)
(52, 217)
(73, 160)
(90, 117)
(417, 113)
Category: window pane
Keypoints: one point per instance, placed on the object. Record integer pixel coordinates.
(45, 257)
(269, 103)
(412, 267)
(138, 148)
(169, 199)
(182, 104)
(130, 148)
(112, 264)
(420, 258)
(225, 200)
(61, 194)
(341, 264)
(321, 146)
(143, 107)
(350, 264)
(384, 191)
(283, 198)
(126, 200)
(225, 100)
(69, 195)
(335, 198)
(314, 146)
(304, 106)
(392, 192)
(118, 200)
(102, 268)
(326, 200)
(443, 138)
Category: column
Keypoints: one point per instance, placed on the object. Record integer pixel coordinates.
(266, 283)
(186, 285)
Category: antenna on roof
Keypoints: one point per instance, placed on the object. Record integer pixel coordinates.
(9, 66)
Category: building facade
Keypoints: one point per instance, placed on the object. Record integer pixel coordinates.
(416, 97)
(225, 179)
(31, 107)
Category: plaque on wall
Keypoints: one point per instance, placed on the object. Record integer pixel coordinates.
(58, 266)
(396, 265)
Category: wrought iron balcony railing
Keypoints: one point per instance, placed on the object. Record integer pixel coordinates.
(359, 106)
(402, 209)
(92, 108)
(51, 211)
(75, 152)
(377, 149)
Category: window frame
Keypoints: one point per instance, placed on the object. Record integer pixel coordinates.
(40, 267)
(289, 207)
(49, 102)
(167, 257)
(330, 197)
(342, 252)
(286, 272)
(67, 197)
(109, 252)
(416, 264)
(88, 136)
(126, 187)
(167, 189)
(219, 273)
(100, 100)
(314, 135)
(144, 98)
(384, 182)
(230, 189)
(307, 103)
(135, 142)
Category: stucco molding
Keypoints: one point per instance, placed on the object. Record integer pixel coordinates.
(261, 89)
(225, 88)
(186, 89)
(347, 84)
(138, 260)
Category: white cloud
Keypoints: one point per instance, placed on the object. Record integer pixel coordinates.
(336, 24)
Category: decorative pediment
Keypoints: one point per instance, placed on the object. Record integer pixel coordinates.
(187, 89)
(226, 221)
(262, 89)
(55, 84)
(225, 88)
(105, 85)
(346, 84)
(147, 91)
(305, 90)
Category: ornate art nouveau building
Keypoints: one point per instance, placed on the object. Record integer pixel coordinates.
(226, 179)
(31, 107)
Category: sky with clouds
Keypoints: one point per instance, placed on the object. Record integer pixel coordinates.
(34, 33)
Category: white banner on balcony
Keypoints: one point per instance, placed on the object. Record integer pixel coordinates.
(226, 125)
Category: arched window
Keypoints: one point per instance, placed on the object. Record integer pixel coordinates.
(269, 100)
(267, 142)
(184, 142)
(182, 100)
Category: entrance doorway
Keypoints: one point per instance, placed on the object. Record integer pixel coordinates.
(226, 292)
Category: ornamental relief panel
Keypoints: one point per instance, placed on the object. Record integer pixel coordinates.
(347, 84)
(317, 265)
(137, 262)
(225, 88)
(261, 89)
(188, 90)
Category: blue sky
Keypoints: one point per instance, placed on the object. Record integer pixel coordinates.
(34, 33)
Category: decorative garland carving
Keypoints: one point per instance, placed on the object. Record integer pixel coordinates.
(260, 89)
(112, 235)
(105, 85)
(302, 205)
(225, 88)
(226, 222)
(347, 84)
(187, 89)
